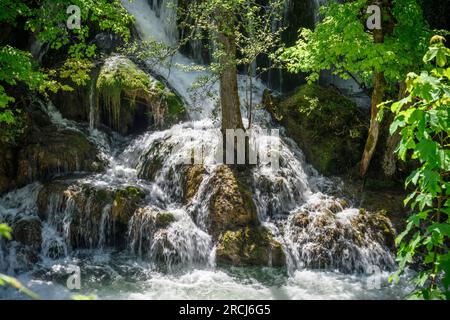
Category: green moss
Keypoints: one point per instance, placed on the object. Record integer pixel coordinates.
(120, 79)
(101, 195)
(164, 219)
(175, 106)
(130, 193)
(250, 246)
(328, 127)
(126, 201)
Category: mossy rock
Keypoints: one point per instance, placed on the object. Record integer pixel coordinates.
(231, 204)
(379, 224)
(130, 100)
(124, 95)
(28, 231)
(88, 206)
(193, 178)
(126, 201)
(330, 129)
(164, 219)
(51, 152)
(175, 108)
(250, 246)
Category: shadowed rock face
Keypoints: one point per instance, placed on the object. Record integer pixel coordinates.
(54, 152)
(45, 150)
(329, 128)
(89, 216)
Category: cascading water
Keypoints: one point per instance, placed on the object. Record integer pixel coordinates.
(165, 250)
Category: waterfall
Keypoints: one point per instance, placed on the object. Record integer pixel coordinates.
(81, 217)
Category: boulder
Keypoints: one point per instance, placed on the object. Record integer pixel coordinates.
(126, 201)
(250, 246)
(345, 240)
(48, 151)
(128, 99)
(231, 205)
(330, 129)
(123, 97)
(28, 231)
(148, 235)
(90, 216)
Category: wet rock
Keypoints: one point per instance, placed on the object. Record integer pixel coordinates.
(129, 100)
(231, 205)
(249, 246)
(28, 231)
(149, 237)
(378, 224)
(164, 219)
(126, 201)
(347, 240)
(49, 152)
(329, 128)
(107, 42)
(89, 216)
(7, 168)
(193, 178)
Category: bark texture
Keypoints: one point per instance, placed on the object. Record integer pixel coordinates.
(229, 97)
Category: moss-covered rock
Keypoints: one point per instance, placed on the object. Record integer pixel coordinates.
(250, 246)
(164, 219)
(345, 240)
(379, 225)
(28, 231)
(231, 205)
(329, 128)
(193, 178)
(129, 99)
(93, 216)
(50, 151)
(174, 105)
(126, 201)
(124, 95)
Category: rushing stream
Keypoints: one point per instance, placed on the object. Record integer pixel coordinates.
(179, 262)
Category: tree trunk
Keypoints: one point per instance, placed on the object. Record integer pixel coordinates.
(390, 159)
(377, 98)
(229, 96)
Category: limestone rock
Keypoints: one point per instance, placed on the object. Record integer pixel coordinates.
(250, 246)
(329, 128)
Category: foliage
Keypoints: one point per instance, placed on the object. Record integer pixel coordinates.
(47, 21)
(250, 25)
(5, 231)
(341, 43)
(248, 22)
(424, 120)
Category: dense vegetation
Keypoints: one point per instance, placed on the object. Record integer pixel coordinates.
(406, 74)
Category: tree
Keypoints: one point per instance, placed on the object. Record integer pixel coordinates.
(341, 42)
(47, 20)
(240, 31)
(423, 118)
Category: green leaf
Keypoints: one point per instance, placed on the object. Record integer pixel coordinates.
(5, 231)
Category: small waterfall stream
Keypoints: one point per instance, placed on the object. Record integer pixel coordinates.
(178, 261)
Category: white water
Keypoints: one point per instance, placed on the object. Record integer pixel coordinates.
(185, 248)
